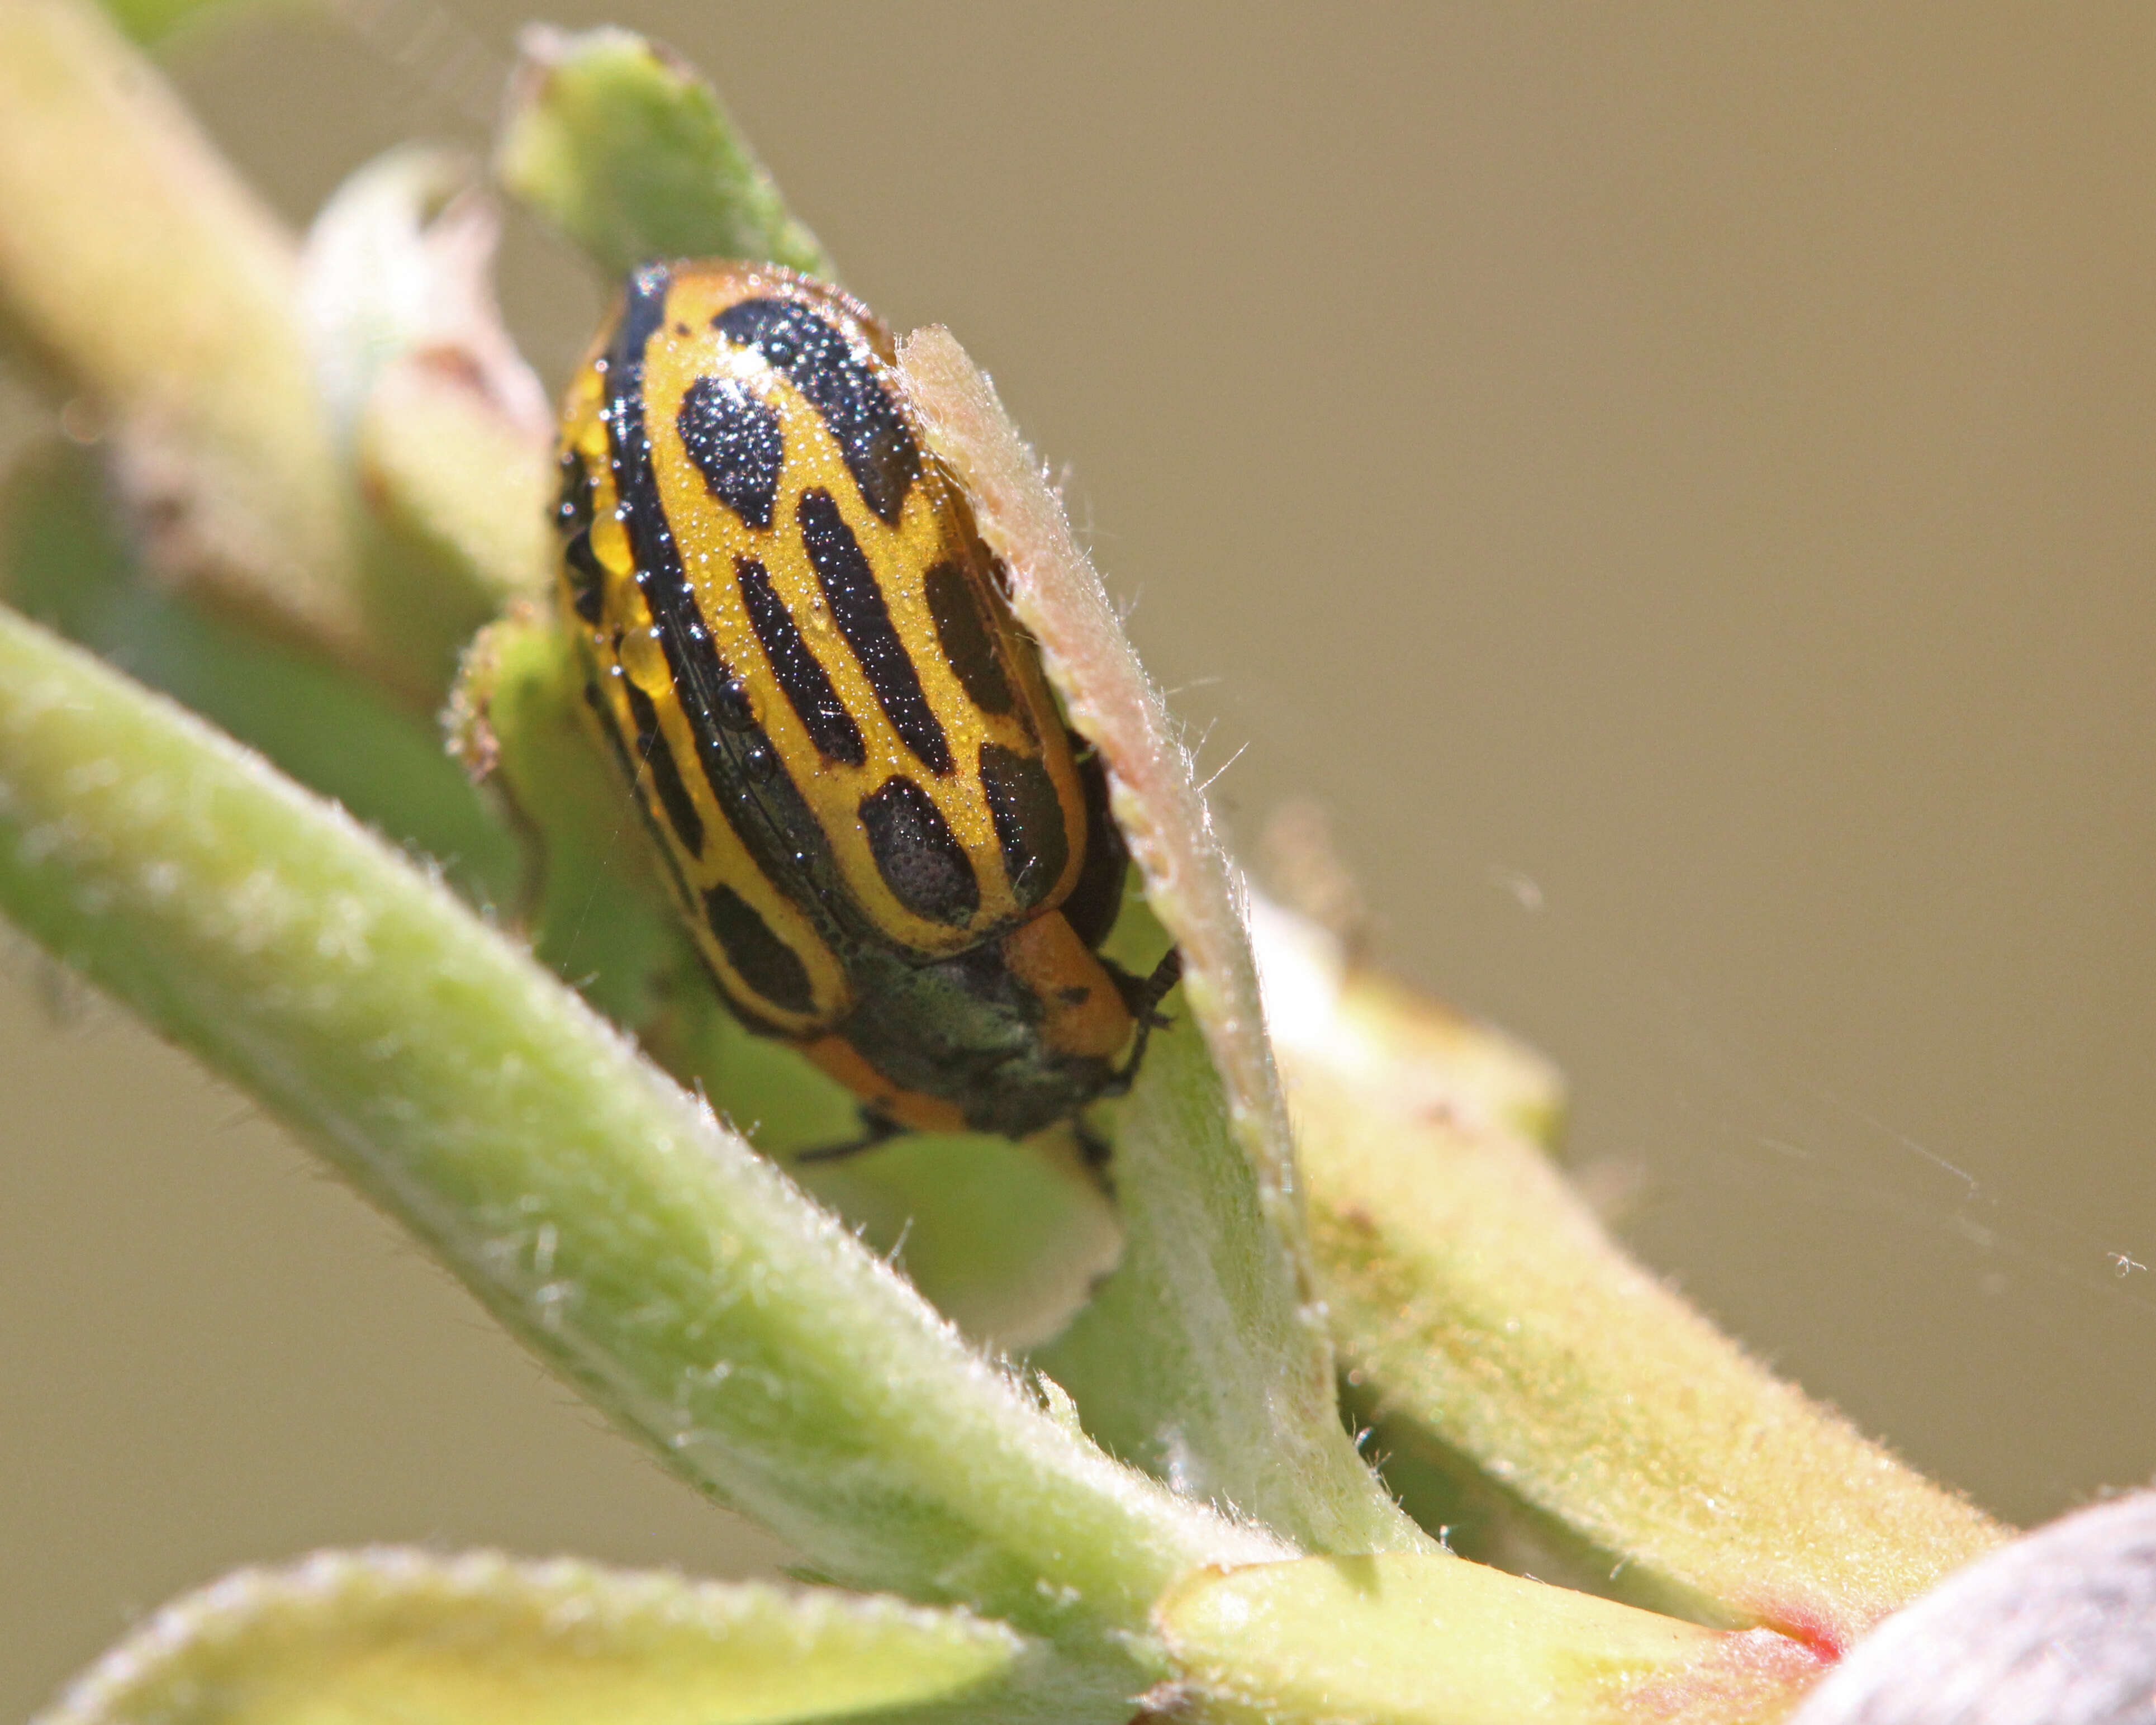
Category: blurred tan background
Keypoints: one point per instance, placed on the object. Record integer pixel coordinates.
(1676, 481)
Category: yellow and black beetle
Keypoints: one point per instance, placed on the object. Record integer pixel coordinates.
(890, 847)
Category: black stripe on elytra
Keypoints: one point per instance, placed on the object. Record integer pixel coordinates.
(809, 690)
(1028, 818)
(691, 900)
(767, 980)
(968, 647)
(586, 577)
(618, 745)
(857, 604)
(842, 383)
(735, 441)
(572, 503)
(918, 855)
(764, 961)
(750, 784)
(653, 750)
(1096, 898)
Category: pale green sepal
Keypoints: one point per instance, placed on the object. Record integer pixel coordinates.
(1205, 1354)
(442, 429)
(682, 1282)
(395, 264)
(485, 1640)
(1407, 1640)
(628, 151)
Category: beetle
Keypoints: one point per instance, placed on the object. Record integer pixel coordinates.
(889, 848)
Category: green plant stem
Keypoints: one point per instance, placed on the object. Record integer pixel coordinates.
(681, 1282)
(66, 561)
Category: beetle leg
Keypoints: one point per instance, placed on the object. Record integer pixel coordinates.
(1095, 1154)
(1142, 995)
(1093, 1150)
(875, 1129)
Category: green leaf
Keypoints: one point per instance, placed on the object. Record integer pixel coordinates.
(1203, 1358)
(1007, 1240)
(1490, 1318)
(628, 151)
(685, 1284)
(483, 1640)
